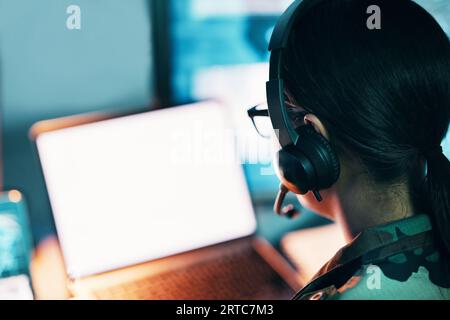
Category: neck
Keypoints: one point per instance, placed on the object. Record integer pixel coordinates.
(360, 205)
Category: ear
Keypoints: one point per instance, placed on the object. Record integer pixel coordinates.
(311, 119)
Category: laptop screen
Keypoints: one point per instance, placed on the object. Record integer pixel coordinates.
(142, 187)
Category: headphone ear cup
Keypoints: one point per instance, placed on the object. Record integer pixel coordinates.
(311, 165)
(294, 171)
(324, 159)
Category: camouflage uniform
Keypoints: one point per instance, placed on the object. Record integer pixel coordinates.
(391, 262)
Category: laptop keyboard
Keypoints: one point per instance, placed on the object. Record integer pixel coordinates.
(242, 275)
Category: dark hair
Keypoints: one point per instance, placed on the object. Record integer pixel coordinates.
(384, 95)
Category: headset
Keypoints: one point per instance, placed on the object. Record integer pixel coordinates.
(306, 161)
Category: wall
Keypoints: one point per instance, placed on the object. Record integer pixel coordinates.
(48, 71)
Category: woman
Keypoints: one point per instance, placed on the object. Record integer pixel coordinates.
(381, 97)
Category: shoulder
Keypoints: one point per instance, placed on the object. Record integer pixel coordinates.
(370, 283)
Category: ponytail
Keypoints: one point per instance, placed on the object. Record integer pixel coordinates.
(437, 189)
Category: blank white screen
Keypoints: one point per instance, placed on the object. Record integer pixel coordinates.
(137, 188)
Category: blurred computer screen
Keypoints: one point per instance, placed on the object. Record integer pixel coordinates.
(15, 247)
(219, 50)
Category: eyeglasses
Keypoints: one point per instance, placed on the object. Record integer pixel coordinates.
(260, 117)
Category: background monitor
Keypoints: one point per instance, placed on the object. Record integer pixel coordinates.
(228, 61)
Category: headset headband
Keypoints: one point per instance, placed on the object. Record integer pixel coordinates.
(275, 86)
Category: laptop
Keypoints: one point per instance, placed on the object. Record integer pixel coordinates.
(155, 205)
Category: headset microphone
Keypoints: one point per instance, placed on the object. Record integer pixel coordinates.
(288, 211)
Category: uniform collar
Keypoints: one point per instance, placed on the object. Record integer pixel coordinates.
(370, 246)
(375, 239)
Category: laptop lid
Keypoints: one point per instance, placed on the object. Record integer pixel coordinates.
(132, 189)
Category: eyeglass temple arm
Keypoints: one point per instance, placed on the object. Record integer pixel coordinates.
(257, 113)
